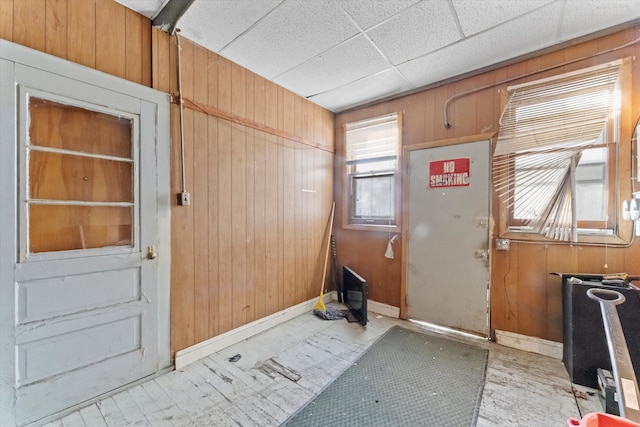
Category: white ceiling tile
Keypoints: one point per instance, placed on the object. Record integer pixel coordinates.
(368, 13)
(416, 31)
(317, 47)
(377, 86)
(479, 15)
(294, 32)
(148, 8)
(215, 23)
(588, 16)
(509, 40)
(349, 61)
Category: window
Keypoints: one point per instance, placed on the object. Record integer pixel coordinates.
(371, 153)
(555, 160)
(81, 191)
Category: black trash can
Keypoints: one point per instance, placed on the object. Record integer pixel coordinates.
(585, 343)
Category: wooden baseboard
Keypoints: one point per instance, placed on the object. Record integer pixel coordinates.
(217, 343)
(531, 344)
(384, 309)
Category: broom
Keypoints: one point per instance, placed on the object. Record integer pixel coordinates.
(320, 304)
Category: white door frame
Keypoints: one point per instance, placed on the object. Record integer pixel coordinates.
(11, 54)
(405, 212)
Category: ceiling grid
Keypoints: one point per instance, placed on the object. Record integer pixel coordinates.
(344, 53)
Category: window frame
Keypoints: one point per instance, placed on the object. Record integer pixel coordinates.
(618, 175)
(597, 227)
(349, 221)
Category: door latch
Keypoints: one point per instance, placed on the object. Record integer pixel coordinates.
(151, 253)
(482, 254)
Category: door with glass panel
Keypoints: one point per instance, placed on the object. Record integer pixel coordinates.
(85, 270)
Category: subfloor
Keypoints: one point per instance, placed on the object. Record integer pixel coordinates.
(255, 382)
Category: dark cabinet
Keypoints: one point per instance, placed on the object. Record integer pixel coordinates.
(585, 343)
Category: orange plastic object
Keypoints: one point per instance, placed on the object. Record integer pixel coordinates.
(599, 419)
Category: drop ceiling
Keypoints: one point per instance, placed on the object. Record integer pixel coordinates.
(342, 54)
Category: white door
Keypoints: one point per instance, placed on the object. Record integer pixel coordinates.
(448, 236)
(85, 234)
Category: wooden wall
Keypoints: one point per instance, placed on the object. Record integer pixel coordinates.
(249, 244)
(261, 188)
(525, 299)
(260, 178)
(100, 34)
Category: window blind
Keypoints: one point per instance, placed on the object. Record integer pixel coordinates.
(549, 115)
(372, 140)
(544, 127)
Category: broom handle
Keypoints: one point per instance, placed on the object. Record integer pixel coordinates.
(326, 258)
(334, 259)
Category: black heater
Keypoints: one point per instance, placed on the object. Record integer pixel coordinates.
(354, 294)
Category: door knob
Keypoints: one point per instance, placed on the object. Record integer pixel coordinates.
(151, 254)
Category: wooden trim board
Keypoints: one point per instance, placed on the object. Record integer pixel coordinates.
(384, 309)
(198, 351)
(217, 112)
(217, 343)
(531, 344)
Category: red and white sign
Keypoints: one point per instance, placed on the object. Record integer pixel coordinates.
(449, 173)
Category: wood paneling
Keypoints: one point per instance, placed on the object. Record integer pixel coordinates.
(69, 126)
(55, 176)
(560, 259)
(253, 245)
(182, 273)
(81, 31)
(28, 23)
(259, 198)
(6, 19)
(100, 34)
(64, 177)
(259, 168)
(135, 38)
(525, 298)
(110, 37)
(62, 228)
(56, 27)
(200, 196)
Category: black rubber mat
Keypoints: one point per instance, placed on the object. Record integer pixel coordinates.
(406, 378)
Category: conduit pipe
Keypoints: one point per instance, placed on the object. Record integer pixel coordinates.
(447, 125)
(183, 197)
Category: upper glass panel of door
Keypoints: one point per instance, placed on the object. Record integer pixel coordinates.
(80, 178)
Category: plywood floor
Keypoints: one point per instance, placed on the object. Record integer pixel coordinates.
(521, 389)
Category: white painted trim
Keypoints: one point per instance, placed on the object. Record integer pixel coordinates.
(8, 233)
(15, 57)
(52, 64)
(531, 344)
(163, 153)
(384, 309)
(205, 348)
(78, 203)
(375, 307)
(80, 153)
(215, 344)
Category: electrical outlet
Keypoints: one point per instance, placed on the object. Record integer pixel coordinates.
(184, 199)
(503, 244)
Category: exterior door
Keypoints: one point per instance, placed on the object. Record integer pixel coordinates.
(448, 236)
(85, 215)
